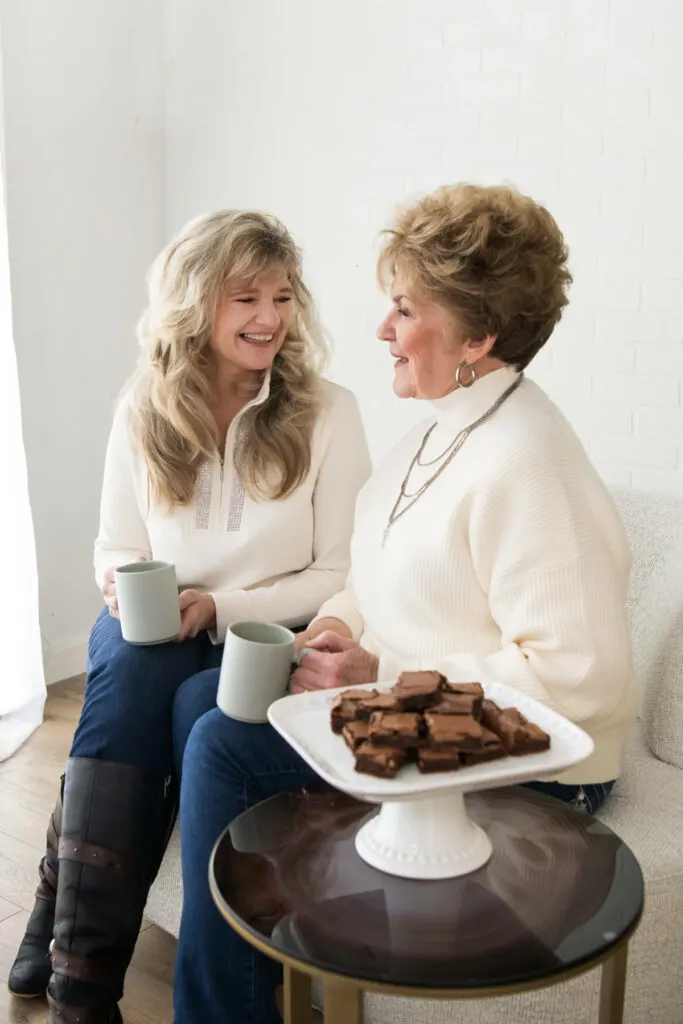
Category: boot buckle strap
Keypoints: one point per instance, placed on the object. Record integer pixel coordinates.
(100, 971)
(93, 856)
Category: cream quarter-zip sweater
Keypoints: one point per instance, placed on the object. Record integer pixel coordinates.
(513, 566)
(274, 561)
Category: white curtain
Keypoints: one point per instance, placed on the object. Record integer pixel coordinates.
(22, 681)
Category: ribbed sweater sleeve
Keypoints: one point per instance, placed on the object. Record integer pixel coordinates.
(122, 536)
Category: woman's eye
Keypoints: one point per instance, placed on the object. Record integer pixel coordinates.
(284, 298)
(403, 312)
(245, 300)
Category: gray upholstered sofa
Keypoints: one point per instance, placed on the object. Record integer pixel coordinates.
(646, 809)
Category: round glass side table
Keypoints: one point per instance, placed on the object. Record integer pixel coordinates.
(562, 894)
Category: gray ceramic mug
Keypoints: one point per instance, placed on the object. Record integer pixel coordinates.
(147, 596)
(257, 663)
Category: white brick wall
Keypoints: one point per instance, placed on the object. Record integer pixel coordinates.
(329, 112)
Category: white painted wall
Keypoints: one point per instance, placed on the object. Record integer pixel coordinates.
(330, 111)
(84, 106)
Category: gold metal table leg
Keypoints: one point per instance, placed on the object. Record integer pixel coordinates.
(343, 1002)
(297, 1007)
(613, 987)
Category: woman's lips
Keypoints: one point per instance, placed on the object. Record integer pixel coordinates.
(259, 340)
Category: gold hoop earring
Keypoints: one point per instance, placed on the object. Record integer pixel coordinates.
(458, 374)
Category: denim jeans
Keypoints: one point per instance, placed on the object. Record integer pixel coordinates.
(127, 714)
(589, 797)
(228, 767)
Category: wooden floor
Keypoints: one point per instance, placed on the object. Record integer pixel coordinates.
(28, 784)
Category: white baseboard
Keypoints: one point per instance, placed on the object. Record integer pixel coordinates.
(65, 662)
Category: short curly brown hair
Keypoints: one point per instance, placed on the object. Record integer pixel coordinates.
(491, 256)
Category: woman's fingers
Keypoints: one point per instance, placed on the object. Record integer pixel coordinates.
(188, 598)
(189, 614)
(318, 661)
(331, 642)
(188, 623)
(112, 604)
(304, 678)
(109, 594)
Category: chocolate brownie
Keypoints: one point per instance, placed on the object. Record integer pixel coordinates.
(519, 735)
(358, 694)
(491, 750)
(490, 713)
(437, 760)
(355, 733)
(343, 711)
(384, 762)
(474, 689)
(535, 740)
(395, 730)
(426, 719)
(453, 732)
(416, 691)
(380, 702)
(457, 704)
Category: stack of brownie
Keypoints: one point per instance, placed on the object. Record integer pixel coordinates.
(426, 719)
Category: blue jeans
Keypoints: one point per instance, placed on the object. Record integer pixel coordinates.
(588, 797)
(228, 767)
(127, 714)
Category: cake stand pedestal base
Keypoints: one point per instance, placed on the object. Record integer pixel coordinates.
(426, 838)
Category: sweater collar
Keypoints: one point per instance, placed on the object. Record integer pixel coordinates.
(261, 397)
(465, 405)
(258, 399)
(264, 391)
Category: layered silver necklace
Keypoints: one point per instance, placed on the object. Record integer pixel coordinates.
(441, 461)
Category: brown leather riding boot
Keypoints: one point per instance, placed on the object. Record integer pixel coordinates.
(115, 824)
(31, 970)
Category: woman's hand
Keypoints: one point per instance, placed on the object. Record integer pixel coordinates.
(338, 662)
(109, 588)
(109, 594)
(321, 626)
(197, 612)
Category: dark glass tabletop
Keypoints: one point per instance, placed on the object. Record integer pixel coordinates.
(560, 890)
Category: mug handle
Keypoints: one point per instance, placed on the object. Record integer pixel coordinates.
(302, 653)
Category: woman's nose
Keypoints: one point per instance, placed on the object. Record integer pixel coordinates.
(385, 331)
(268, 316)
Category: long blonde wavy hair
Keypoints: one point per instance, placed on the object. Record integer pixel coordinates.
(172, 387)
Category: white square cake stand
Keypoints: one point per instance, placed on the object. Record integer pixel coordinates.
(423, 830)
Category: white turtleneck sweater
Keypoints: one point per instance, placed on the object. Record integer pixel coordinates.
(513, 566)
(275, 561)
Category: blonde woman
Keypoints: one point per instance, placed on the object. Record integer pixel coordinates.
(231, 457)
(485, 546)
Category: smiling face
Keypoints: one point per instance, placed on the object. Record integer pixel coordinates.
(423, 341)
(427, 345)
(252, 319)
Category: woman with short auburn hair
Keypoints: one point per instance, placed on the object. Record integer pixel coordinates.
(485, 546)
